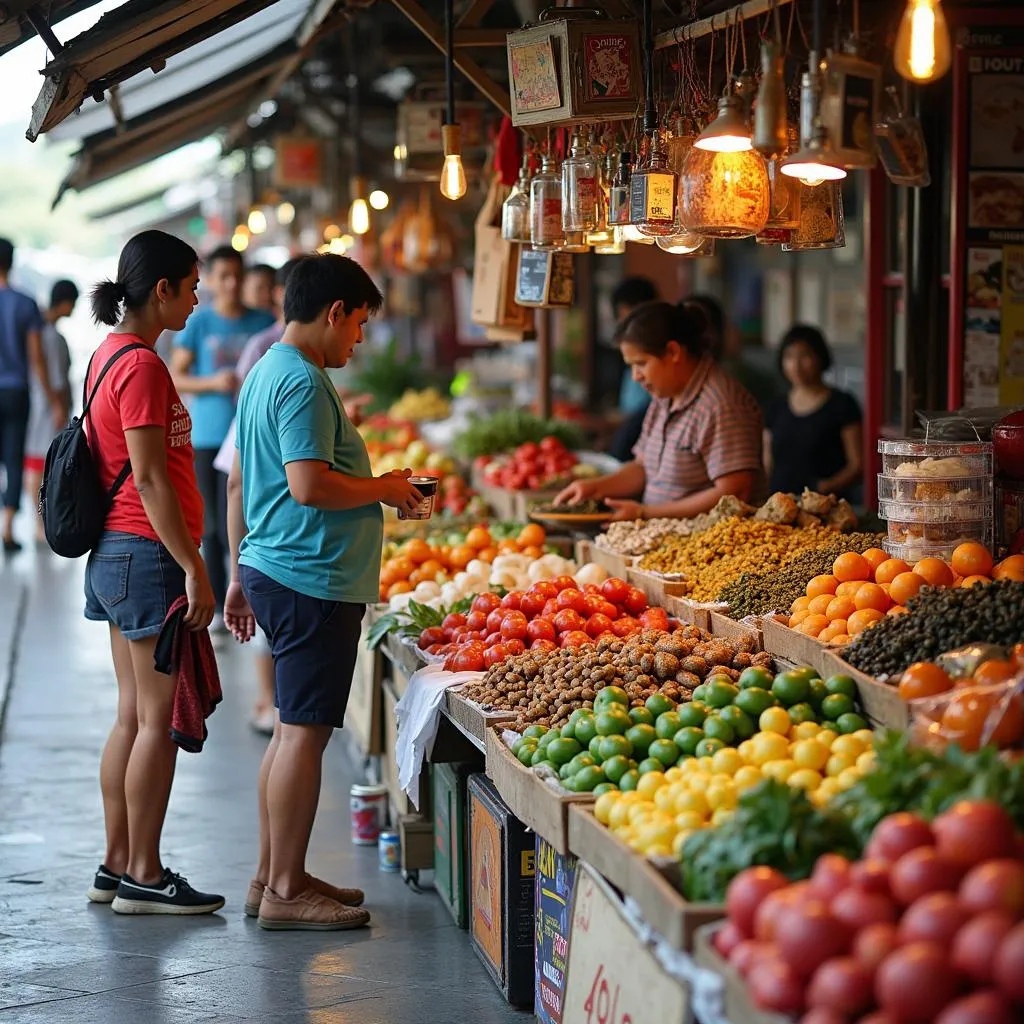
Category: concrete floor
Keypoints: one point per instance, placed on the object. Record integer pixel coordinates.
(63, 959)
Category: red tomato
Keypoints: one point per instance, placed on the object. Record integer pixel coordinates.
(476, 620)
(495, 619)
(532, 604)
(453, 621)
(592, 588)
(541, 629)
(874, 943)
(527, 450)
(921, 871)
(550, 609)
(655, 618)
(598, 624)
(830, 876)
(514, 647)
(809, 934)
(626, 626)
(429, 637)
(565, 583)
(470, 636)
(858, 909)
(746, 954)
(593, 603)
(494, 638)
(973, 831)
(469, 659)
(636, 601)
(574, 599)
(486, 602)
(543, 645)
(915, 983)
(568, 621)
(776, 986)
(936, 918)
(615, 590)
(1009, 965)
(545, 588)
(898, 834)
(437, 649)
(494, 654)
(871, 876)
(513, 626)
(551, 444)
(774, 907)
(988, 1007)
(727, 938)
(746, 892)
(513, 599)
(977, 943)
(842, 984)
(994, 885)
(575, 638)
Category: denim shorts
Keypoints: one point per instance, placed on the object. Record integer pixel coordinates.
(131, 582)
(314, 644)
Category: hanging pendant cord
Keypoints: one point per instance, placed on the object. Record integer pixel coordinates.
(449, 60)
(650, 116)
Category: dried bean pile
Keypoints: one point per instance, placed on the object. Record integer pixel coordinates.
(639, 536)
(941, 619)
(545, 688)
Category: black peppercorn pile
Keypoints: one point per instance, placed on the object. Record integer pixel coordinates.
(758, 593)
(939, 620)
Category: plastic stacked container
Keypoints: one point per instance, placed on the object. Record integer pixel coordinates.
(935, 496)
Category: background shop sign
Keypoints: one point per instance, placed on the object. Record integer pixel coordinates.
(556, 876)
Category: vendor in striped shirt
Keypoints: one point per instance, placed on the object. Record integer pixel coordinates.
(701, 438)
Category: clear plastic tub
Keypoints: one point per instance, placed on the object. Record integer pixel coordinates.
(915, 550)
(902, 532)
(934, 511)
(931, 460)
(961, 490)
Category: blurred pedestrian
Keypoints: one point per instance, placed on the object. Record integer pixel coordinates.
(633, 398)
(258, 290)
(41, 426)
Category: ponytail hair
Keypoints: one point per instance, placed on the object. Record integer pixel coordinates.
(147, 258)
(654, 324)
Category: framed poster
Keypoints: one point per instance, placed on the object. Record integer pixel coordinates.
(534, 76)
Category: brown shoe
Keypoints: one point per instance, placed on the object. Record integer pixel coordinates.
(309, 911)
(346, 897)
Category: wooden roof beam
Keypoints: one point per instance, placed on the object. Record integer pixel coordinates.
(716, 23)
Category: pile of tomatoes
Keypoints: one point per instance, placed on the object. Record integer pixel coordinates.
(530, 467)
(927, 929)
(550, 614)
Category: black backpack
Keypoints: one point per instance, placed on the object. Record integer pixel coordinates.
(72, 502)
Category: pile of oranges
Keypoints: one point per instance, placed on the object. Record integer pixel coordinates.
(862, 589)
(418, 562)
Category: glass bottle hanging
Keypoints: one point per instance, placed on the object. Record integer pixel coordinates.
(579, 185)
(615, 246)
(652, 193)
(515, 211)
(546, 207)
(618, 193)
(821, 219)
(679, 144)
(725, 195)
(602, 233)
(784, 206)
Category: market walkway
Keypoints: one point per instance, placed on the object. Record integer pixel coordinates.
(63, 959)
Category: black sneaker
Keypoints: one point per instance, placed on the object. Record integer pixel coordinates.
(104, 885)
(171, 895)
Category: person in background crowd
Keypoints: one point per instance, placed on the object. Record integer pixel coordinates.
(701, 438)
(203, 364)
(633, 399)
(814, 435)
(258, 345)
(41, 423)
(306, 532)
(21, 357)
(259, 289)
(146, 559)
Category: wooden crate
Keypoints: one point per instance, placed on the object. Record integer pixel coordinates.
(796, 647)
(690, 612)
(471, 719)
(660, 902)
(658, 588)
(880, 701)
(363, 714)
(611, 561)
(730, 629)
(536, 804)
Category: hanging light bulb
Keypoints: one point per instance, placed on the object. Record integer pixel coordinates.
(814, 163)
(725, 195)
(453, 176)
(257, 221)
(240, 239)
(379, 199)
(285, 214)
(729, 132)
(359, 211)
(923, 50)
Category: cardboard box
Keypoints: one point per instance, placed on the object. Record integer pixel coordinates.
(660, 902)
(553, 891)
(730, 629)
(690, 612)
(658, 588)
(363, 714)
(613, 976)
(532, 800)
(471, 719)
(416, 832)
(880, 701)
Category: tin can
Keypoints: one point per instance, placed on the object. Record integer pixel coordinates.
(427, 486)
(368, 805)
(389, 847)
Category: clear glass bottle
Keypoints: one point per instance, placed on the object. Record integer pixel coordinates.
(602, 232)
(679, 144)
(822, 224)
(515, 211)
(615, 246)
(579, 185)
(618, 193)
(546, 230)
(725, 195)
(652, 194)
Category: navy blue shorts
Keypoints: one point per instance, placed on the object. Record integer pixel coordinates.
(314, 644)
(132, 582)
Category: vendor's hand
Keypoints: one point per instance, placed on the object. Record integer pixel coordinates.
(579, 491)
(624, 509)
(238, 616)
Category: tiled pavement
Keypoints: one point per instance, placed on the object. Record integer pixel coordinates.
(65, 960)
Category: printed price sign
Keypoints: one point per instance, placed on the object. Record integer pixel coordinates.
(613, 978)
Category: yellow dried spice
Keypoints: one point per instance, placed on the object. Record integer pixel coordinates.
(711, 559)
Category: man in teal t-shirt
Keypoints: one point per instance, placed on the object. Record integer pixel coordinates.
(306, 530)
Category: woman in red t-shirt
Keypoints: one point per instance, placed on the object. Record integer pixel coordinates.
(147, 558)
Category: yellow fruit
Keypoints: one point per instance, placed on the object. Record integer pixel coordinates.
(605, 803)
(827, 790)
(689, 820)
(848, 746)
(866, 736)
(805, 731)
(680, 839)
(780, 769)
(659, 850)
(827, 737)
(806, 779)
(639, 813)
(848, 778)
(744, 750)
(722, 814)
(722, 793)
(726, 761)
(769, 746)
(692, 800)
(747, 777)
(664, 798)
(631, 797)
(837, 764)
(705, 764)
(674, 774)
(656, 833)
(650, 783)
(636, 844)
(774, 720)
(618, 816)
(699, 781)
(810, 754)
(867, 762)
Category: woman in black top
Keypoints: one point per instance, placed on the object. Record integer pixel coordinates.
(813, 435)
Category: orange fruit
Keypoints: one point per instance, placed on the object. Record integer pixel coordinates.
(905, 586)
(532, 535)
(488, 554)
(819, 604)
(973, 581)
(509, 546)
(972, 716)
(840, 608)
(461, 555)
(851, 566)
(897, 609)
(797, 617)
(862, 619)
(430, 568)
(840, 640)
(416, 550)
(890, 569)
(800, 604)
(923, 679)
(871, 595)
(875, 557)
(834, 629)
(532, 551)
(1011, 568)
(478, 538)
(849, 588)
(972, 559)
(822, 585)
(401, 587)
(935, 571)
(995, 671)
(403, 567)
(812, 625)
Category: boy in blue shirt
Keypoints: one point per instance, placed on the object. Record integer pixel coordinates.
(203, 366)
(306, 529)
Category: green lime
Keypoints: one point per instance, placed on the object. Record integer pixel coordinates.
(534, 732)
(658, 704)
(753, 700)
(516, 744)
(841, 684)
(603, 787)
(806, 672)
(629, 780)
(755, 676)
(549, 737)
(667, 725)
(692, 713)
(569, 783)
(594, 747)
(615, 767)
(577, 715)
(614, 746)
(722, 692)
(588, 778)
(664, 751)
(568, 731)
(525, 753)
(818, 693)
(717, 728)
(586, 728)
(700, 693)
(583, 760)
(540, 754)
(641, 716)
(851, 722)
(687, 739)
(802, 713)
(650, 764)
(742, 724)
(791, 688)
(613, 721)
(612, 695)
(708, 746)
(837, 704)
(641, 736)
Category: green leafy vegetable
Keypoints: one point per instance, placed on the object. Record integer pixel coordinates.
(412, 620)
(509, 428)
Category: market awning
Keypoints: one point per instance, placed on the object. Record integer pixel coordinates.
(17, 16)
